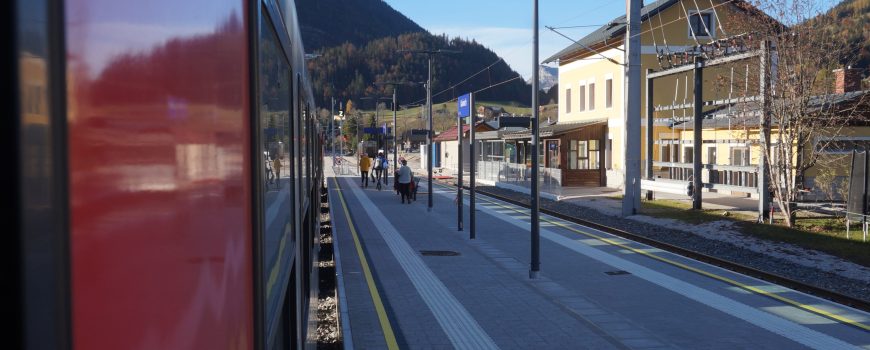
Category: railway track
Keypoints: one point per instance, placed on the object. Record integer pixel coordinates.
(729, 265)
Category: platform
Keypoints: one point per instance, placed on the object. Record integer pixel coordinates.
(595, 291)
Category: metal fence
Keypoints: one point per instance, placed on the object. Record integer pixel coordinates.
(517, 174)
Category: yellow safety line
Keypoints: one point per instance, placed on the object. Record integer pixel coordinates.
(800, 305)
(389, 336)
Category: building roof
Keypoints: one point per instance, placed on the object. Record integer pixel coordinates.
(613, 30)
(450, 134)
(552, 130)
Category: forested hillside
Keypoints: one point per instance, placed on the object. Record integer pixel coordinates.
(358, 42)
(329, 23)
(852, 28)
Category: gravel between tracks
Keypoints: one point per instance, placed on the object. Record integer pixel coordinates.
(717, 239)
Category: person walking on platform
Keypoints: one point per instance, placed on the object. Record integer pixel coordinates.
(364, 164)
(276, 165)
(379, 167)
(404, 180)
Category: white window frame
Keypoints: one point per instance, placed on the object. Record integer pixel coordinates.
(608, 77)
(567, 104)
(711, 27)
(581, 107)
(590, 102)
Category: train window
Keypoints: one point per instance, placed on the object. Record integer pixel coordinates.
(303, 122)
(275, 159)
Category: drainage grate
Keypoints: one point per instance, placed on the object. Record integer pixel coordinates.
(618, 272)
(438, 253)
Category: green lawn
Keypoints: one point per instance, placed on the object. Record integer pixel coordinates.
(822, 234)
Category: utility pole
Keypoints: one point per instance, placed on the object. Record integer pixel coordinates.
(536, 224)
(631, 128)
(429, 54)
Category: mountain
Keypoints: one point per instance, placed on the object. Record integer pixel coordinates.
(364, 50)
(848, 23)
(547, 77)
(330, 23)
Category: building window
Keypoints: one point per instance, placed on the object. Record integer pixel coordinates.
(665, 153)
(739, 156)
(584, 155)
(568, 100)
(688, 154)
(608, 93)
(591, 96)
(572, 155)
(699, 22)
(581, 91)
(594, 155)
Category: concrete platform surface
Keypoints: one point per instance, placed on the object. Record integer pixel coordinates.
(410, 279)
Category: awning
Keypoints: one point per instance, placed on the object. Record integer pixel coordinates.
(553, 130)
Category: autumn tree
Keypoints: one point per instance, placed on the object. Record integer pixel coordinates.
(805, 113)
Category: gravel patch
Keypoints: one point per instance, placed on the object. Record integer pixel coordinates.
(721, 239)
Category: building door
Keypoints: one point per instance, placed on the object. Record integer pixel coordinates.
(553, 160)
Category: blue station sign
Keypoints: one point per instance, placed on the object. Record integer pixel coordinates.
(463, 105)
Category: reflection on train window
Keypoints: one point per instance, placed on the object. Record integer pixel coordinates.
(275, 160)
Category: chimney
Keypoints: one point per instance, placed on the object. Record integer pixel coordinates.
(846, 80)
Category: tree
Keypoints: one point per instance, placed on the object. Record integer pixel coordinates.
(805, 115)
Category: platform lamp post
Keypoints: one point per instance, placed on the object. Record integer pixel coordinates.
(429, 135)
(535, 265)
(395, 85)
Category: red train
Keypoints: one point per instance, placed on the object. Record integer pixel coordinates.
(165, 190)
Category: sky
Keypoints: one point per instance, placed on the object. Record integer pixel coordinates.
(505, 26)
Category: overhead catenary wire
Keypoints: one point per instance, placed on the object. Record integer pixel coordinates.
(584, 46)
(718, 22)
(691, 30)
(664, 38)
(701, 19)
(661, 26)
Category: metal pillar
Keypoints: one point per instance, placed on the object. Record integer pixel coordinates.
(650, 114)
(536, 225)
(631, 129)
(430, 134)
(332, 128)
(472, 169)
(698, 132)
(764, 135)
(395, 140)
(459, 171)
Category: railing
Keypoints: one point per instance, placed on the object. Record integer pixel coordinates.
(739, 178)
(516, 174)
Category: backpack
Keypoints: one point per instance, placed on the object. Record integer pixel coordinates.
(386, 164)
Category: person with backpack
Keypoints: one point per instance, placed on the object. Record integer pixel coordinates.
(365, 164)
(404, 179)
(379, 166)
